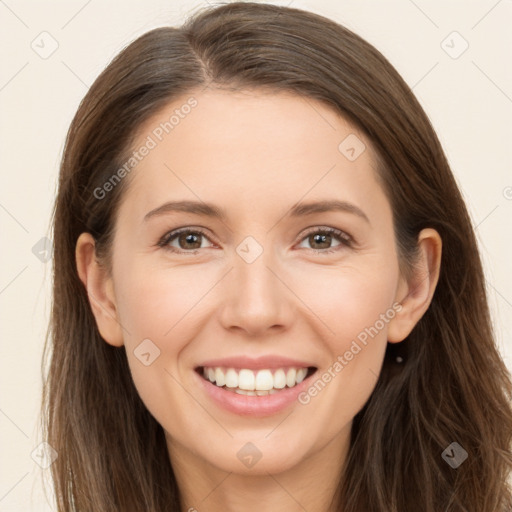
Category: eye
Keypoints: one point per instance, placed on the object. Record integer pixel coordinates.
(321, 239)
(187, 240)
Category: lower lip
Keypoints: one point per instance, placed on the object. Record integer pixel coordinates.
(245, 405)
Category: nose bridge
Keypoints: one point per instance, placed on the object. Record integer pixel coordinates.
(256, 300)
(255, 283)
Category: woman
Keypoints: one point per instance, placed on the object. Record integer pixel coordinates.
(267, 289)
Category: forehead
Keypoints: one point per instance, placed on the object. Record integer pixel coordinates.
(248, 148)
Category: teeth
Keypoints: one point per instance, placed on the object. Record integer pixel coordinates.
(231, 379)
(264, 380)
(244, 392)
(246, 380)
(279, 379)
(301, 375)
(290, 377)
(220, 378)
(255, 383)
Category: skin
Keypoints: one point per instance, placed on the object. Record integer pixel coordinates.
(255, 155)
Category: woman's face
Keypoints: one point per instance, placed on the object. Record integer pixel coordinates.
(286, 263)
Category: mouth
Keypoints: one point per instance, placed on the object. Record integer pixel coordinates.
(261, 382)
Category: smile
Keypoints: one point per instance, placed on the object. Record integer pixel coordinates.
(262, 382)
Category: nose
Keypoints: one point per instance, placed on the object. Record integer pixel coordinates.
(257, 300)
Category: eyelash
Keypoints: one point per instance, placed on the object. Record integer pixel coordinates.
(344, 239)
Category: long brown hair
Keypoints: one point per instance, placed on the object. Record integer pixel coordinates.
(452, 385)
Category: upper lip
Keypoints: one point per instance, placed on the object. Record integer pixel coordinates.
(258, 363)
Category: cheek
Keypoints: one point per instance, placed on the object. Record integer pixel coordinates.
(355, 310)
(348, 301)
(156, 308)
(155, 303)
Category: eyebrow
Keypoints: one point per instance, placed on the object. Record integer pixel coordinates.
(298, 210)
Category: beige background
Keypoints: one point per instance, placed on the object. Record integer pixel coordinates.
(468, 99)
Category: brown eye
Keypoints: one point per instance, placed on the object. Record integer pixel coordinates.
(184, 240)
(318, 241)
(189, 240)
(321, 240)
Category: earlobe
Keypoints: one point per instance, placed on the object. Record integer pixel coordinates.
(416, 295)
(100, 290)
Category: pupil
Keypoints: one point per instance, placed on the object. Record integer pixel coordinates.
(321, 239)
(189, 239)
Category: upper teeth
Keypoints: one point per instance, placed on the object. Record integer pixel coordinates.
(261, 380)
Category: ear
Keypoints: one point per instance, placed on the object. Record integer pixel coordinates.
(100, 290)
(416, 295)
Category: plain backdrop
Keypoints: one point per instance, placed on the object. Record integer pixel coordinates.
(51, 52)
